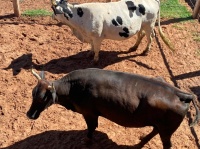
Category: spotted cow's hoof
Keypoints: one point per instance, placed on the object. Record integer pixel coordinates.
(90, 54)
(145, 53)
(95, 62)
(132, 49)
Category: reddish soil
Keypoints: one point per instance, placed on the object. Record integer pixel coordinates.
(42, 42)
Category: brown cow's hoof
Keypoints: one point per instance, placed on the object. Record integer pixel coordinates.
(86, 141)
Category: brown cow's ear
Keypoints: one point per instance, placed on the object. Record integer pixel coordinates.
(42, 74)
(51, 88)
(53, 91)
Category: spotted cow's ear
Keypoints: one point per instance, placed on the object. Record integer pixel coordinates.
(53, 2)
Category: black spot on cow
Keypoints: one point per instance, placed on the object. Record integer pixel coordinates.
(114, 22)
(119, 20)
(80, 12)
(131, 6)
(141, 9)
(123, 34)
(126, 30)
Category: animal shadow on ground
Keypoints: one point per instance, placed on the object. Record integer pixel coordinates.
(196, 91)
(23, 61)
(67, 140)
(9, 16)
(175, 20)
(73, 62)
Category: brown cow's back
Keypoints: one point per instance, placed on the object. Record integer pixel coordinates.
(128, 99)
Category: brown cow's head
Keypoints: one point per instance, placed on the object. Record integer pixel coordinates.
(44, 95)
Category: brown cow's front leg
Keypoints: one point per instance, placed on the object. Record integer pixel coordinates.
(92, 124)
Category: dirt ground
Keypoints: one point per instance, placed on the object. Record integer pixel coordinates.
(39, 41)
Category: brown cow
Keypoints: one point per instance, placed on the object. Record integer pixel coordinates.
(129, 100)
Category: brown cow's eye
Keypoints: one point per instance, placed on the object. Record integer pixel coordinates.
(42, 94)
(34, 92)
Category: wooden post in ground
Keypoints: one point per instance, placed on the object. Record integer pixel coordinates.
(196, 9)
(16, 8)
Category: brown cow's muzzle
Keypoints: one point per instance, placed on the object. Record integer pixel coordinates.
(33, 114)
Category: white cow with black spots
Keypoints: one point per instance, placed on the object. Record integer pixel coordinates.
(93, 22)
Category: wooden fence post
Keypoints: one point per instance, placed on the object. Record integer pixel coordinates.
(196, 9)
(16, 8)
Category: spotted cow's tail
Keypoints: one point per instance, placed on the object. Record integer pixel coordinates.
(166, 40)
(187, 98)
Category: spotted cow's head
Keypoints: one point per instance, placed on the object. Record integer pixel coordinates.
(62, 10)
(43, 94)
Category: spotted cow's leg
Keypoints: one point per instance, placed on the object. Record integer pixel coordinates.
(149, 41)
(91, 52)
(140, 35)
(149, 30)
(97, 46)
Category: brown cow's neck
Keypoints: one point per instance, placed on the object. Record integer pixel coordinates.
(62, 90)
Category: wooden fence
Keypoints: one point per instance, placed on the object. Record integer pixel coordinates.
(16, 8)
(196, 11)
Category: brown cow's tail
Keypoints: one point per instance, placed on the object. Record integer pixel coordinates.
(187, 98)
(197, 117)
(166, 40)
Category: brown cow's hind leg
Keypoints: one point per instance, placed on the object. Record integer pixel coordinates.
(147, 138)
(165, 136)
